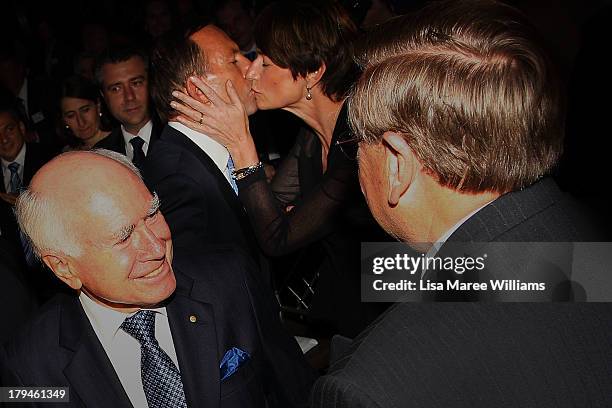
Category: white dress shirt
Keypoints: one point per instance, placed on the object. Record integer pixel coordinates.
(6, 173)
(144, 133)
(123, 350)
(216, 151)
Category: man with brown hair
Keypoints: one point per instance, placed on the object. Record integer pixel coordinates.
(190, 171)
(460, 119)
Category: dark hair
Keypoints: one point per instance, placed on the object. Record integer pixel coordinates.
(246, 5)
(173, 60)
(9, 104)
(306, 34)
(77, 86)
(116, 55)
(471, 90)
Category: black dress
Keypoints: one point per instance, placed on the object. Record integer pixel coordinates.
(329, 221)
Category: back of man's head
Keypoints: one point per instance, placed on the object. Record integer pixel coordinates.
(173, 60)
(469, 88)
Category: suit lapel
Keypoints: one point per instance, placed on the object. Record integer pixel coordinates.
(226, 190)
(194, 335)
(2, 189)
(89, 371)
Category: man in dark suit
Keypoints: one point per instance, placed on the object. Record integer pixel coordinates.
(123, 78)
(471, 126)
(144, 329)
(191, 172)
(35, 97)
(19, 162)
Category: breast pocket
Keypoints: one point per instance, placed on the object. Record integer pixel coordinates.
(243, 388)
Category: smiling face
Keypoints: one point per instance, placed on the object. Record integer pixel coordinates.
(82, 116)
(273, 86)
(124, 247)
(125, 90)
(225, 62)
(12, 136)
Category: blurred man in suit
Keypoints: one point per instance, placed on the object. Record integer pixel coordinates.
(123, 77)
(35, 97)
(142, 328)
(472, 124)
(19, 162)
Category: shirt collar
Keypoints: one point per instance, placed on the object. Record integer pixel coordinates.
(216, 151)
(440, 241)
(19, 159)
(144, 133)
(106, 321)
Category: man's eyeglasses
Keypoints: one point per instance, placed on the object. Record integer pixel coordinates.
(349, 147)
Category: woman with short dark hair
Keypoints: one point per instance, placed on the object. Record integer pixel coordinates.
(305, 66)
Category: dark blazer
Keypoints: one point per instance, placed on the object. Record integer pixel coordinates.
(196, 199)
(36, 156)
(115, 142)
(457, 355)
(232, 309)
(486, 354)
(17, 301)
(538, 213)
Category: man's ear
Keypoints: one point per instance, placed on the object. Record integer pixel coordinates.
(195, 92)
(60, 266)
(400, 165)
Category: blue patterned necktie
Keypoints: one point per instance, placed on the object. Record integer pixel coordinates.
(161, 379)
(15, 183)
(230, 171)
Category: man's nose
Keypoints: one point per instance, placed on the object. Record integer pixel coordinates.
(128, 94)
(150, 244)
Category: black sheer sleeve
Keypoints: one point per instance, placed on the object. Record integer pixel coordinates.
(316, 214)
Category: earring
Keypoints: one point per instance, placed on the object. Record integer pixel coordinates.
(308, 94)
(100, 114)
(67, 127)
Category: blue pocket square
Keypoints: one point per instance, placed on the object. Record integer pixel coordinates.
(232, 360)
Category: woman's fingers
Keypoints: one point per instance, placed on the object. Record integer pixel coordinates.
(207, 90)
(186, 110)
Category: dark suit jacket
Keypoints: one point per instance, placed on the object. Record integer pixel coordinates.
(36, 156)
(540, 213)
(484, 354)
(456, 355)
(197, 201)
(17, 301)
(232, 308)
(115, 142)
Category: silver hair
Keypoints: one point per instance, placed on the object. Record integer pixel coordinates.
(40, 218)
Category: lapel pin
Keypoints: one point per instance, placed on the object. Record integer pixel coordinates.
(193, 319)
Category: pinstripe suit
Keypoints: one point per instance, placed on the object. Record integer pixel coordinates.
(482, 354)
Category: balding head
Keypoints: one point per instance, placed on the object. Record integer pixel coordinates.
(46, 209)
(95, 224)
